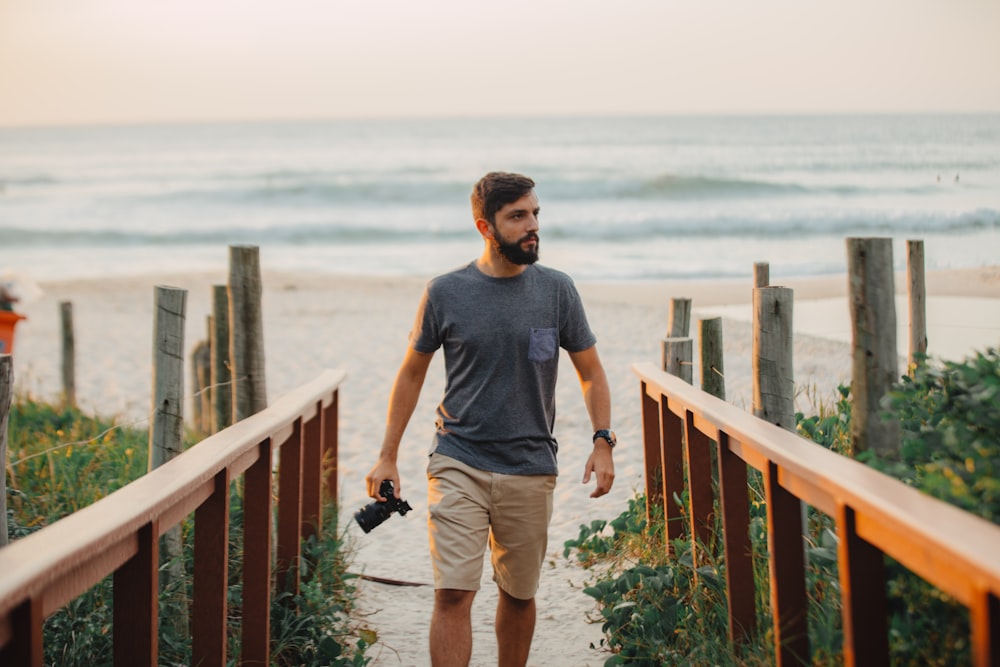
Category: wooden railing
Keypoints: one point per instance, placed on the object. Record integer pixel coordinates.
(118, 535)
(874, 514)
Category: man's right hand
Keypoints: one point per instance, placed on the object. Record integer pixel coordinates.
(383, 470)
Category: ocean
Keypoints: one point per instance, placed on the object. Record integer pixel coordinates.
(623, 199)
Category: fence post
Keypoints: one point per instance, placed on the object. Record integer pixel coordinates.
(917, 293)
(773, 376)
(713, 377)
(68, 353)
(205, 368)
(679, 318)
(166, 426)
(676, 357)
(6, 395)
(246, 332)
(221, 378)
(761, 274)
(201, 384)
(873, 319)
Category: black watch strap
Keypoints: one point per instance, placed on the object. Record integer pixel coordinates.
(608, 435)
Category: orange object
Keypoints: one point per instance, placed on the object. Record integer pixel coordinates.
(8, 320)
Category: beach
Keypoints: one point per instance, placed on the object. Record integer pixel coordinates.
(361, 324)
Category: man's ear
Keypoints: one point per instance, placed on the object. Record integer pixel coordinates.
(485, 228)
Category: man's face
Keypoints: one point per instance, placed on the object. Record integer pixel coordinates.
(515, 230)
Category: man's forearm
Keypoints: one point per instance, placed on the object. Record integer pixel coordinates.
(403, 401)
(597, 398)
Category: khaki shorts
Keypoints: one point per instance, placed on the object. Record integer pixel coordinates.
(468, 507)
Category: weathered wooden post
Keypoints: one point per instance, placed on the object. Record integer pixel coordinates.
(773, 375)
(201, 401)
(679, 318)
(713, 377)
(6, 396)
(68, 353)
(917, 297)
(205, 368)
(246, 332)
(876, 364)
(166, 425)
(221, 379)
(761, 274)
(677, 354)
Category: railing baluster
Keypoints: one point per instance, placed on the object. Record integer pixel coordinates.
(985, 618)
(290, 511)
(789, 604)
(25, 647)
(331, 435)
(211, 576)
(257, 527)
(861, 569)
(312, 474)
(136, 596)
(652, 454)
(702, 498)
(672, 428)
(735, 507)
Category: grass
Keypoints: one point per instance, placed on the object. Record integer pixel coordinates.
(61, 460)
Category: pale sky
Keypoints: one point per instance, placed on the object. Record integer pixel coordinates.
(112, 61)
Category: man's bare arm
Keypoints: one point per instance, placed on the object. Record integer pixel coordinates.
(402, 401)
(597, 398)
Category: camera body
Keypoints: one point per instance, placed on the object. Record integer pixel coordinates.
(374, 513)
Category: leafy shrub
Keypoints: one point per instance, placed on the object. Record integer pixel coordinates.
(949, 415)
(656, 609)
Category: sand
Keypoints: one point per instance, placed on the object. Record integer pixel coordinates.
(360, 324)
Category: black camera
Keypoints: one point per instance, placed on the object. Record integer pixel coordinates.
(374, 513)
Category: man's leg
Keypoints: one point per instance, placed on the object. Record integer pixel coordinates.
(515, 625)
(451, 628)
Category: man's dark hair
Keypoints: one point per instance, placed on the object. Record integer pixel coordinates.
(497, 189)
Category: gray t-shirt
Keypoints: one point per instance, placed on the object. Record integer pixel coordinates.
(501, 340)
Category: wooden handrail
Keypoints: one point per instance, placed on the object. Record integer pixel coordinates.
(118, 534)
(875, 515)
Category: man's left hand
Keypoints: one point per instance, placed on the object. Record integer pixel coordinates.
(602, 465)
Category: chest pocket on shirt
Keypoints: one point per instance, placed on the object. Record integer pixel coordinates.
(544, 344)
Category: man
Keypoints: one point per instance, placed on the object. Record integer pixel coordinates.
(501, 321)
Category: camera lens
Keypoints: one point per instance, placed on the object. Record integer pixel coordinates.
(372, 515)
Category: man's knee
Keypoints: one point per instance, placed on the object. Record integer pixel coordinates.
(507, 598)
(452, 600)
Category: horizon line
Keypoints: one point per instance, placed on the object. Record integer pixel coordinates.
(82, 124)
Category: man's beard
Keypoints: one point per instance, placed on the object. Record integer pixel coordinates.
(514, 253)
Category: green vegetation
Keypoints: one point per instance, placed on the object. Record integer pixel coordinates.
(61, 460)
(666, 609)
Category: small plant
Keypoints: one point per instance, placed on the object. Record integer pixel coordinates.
(656, 608)
(314, 627)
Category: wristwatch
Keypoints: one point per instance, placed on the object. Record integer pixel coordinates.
(608, 435)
